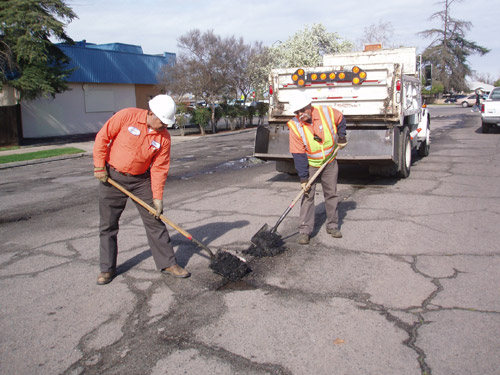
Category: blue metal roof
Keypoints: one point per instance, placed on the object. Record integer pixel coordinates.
(114, 63)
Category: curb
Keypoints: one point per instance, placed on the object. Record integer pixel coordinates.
(175, 139)
(44, 160)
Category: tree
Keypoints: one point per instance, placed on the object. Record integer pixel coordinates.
(182, 117)
(205, 67)
(29, 61)
(201, 117)
(262, 109)
(307, 48)
(258, 71)
(449, 50)
(251, 69)
(378, 33)
(483, 77)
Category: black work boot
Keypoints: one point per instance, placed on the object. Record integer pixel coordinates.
(334, 232)
(303, 239)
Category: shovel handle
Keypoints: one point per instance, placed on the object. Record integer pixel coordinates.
(302, 191)
(162, 217)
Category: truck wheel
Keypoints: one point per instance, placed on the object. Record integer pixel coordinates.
(425, 147)
(383, 170)
(423, 150)
(405, 153)
(485, 127)
(286, 166)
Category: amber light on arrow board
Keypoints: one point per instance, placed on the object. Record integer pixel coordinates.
(298, 77)
(356, 76)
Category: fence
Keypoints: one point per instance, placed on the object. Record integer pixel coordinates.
(10, 125)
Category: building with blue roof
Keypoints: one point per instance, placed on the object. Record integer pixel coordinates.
(106, 78)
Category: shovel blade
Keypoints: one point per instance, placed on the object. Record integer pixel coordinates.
(266, 242)
(267, 237)
(255, 239)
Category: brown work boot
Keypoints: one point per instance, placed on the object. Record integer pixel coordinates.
(334, 232)
(176, 271)
(106, 277)
(303, 239)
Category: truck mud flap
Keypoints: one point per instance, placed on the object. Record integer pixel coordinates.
(272, 143)
(368, 145)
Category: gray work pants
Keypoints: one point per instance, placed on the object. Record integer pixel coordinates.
(111, 205)
(307, 208)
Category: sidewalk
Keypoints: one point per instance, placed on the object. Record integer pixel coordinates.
(87, 146)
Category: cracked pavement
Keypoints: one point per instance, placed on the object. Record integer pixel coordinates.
(411, 288)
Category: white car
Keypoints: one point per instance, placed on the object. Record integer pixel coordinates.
(490, 111)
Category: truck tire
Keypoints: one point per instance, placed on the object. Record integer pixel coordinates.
(405, 153)
(485, 127)
(383, 170)
(425, 147)
(286, 166)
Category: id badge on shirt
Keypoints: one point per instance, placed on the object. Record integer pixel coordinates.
(155, 144)
(134, 131)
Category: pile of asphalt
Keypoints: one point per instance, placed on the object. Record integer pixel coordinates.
(229, 266)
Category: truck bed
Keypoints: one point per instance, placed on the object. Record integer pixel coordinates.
(376, 98)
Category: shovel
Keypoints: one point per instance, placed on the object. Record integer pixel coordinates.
(223, 263)
(267, 240)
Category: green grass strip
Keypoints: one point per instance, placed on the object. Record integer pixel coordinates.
(6, 148)
(39, 154)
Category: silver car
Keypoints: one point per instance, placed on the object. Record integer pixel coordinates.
(468, 101)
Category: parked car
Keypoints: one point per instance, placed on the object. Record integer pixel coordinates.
(468, 101)
(454, 98)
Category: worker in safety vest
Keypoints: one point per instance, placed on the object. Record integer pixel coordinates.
(316, 135)
(133, 148)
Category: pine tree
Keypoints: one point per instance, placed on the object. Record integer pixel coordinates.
(449, 50)
(29, 61)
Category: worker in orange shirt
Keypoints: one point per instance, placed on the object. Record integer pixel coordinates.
(316, 135)
(133, 148)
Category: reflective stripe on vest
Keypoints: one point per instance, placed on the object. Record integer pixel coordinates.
(317, 153)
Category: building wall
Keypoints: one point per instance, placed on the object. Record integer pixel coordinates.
(81, 110)
(144, 93)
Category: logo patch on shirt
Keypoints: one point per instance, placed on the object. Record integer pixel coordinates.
(133, 130)
(155, 144)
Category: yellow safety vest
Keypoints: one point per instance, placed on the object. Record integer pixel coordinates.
(318, 153)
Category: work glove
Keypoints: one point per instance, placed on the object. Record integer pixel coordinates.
(101, 174)
(158, 205)
(342, 142)
(306, 189)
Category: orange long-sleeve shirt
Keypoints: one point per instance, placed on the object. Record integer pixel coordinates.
(128, 145)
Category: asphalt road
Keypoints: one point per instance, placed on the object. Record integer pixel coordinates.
(411, 288)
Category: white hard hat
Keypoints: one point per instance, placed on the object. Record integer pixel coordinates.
(299, 101)
(163, 106)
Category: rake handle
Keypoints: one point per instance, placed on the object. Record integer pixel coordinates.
(162, 217)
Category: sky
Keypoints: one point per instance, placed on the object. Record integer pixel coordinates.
(156, 25)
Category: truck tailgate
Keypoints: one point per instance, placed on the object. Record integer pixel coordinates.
(272, 143)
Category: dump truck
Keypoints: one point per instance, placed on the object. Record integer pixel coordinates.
(379, 94)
